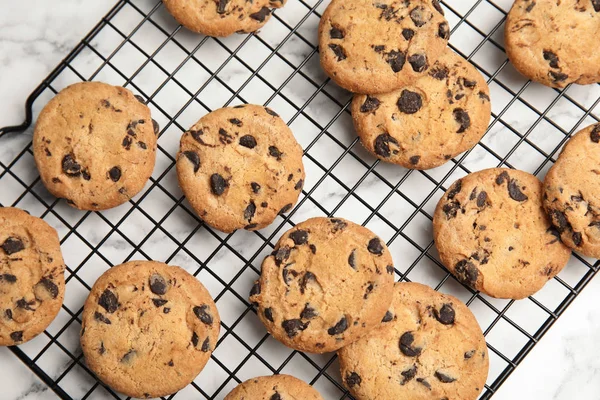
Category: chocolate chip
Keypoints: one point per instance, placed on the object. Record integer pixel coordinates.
(202, 312)
(221, 6)
(299, 185)
(140, 99)
(463, 119)
(194, 158)
(552, 58)
(437, 6)
(353, 379)
(248, 141)
(336, 33)
(155, 127)
(128, 357)
(261, 15)
(9, 278)
(268, 314)
(108, 301)
(275, 396)
(286, 209)
(387, 317)
(515, 192)
(271, 112)
(371, 104)
(195, 339)
(158, 284)
(236, 122)
(455, 189)
(45, 289)
(289, 274)
(264, 204)
(352, 259)
(469, 354)
(418, 62)
(255, 289)
(126, 143)
(375, 246)
(424, 382)
(417, 16)
(451, 209)
(577, 238)
(382, 145)
(439, 73)
(502, 177)
(313, 248)
(414, 160)
(299, 237)
(282, 254)
(218, 184)
(250, 211)
(166, 310)
(558, 76)
(70, 167)
(408, 375)
(308, 312)
(105, 103)
(205, 345)
(409, 102)
(255, 187)
(595, 134)
(338, 51)
(293, 326)
(114, 174)
(13, 245)
(17, 336)
(338, 328)
(596, 4)
(274, 152)
(466, 272)
(445, 315)
(444, 30)
(530, 6)
(559, 220)
(396, 60)
(8, 313)
(390, 269)
(481, 199)
(101, 318)
(159, 302)
(102, 349)
(406, 347)
(408, 33)
(443, 377)
(306, 278)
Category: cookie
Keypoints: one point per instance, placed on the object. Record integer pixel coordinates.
(276, 387)
(425, 123)
(378, 46)
(32, 281)
(148, 328)
(327, 283)
(222, 17)
(428, 347)
(554, 42)
(571, 196)
(492, 233)
(240, 167)
(95, 145)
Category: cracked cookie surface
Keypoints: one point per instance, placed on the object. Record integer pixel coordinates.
(378, 46)
(492, 233)
(428, 347)
(571, 195)
(276, 387)
(148, 329)
(32, 281)
(327, 283)
(426, 123)
(555, 42)
(240, 167)
(222, 17)
(95, 145)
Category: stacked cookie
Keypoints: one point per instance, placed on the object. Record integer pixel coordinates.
(417, 103)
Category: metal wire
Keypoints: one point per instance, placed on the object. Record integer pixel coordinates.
(59, 362)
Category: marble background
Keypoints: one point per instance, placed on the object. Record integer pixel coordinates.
(36, 34)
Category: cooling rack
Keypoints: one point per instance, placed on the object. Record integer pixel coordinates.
(183, 76)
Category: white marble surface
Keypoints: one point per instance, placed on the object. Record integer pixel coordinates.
(36, 34)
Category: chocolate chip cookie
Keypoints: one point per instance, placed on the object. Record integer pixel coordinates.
(555, 42)
(148, 328)
(222, 17)
(95, 145)
(424, 124)
(276, 387)
(378, 46)
(327, 283)
(240, 167)
(428, 347)
(571, 195)
(32, 281)
(493, 234)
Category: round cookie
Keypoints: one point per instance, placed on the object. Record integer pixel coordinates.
(424, 124)
(240, 167)
(32, 281)
(222, 17)
(276, 387)
(378, 46)
(429, 347)
(571, 195)
(95, 145)
(148, 328)
(555, 42)
(327, 283)
(492, 233)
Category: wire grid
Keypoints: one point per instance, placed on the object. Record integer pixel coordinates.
(184, 76)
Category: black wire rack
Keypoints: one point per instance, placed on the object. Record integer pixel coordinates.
(184, 76)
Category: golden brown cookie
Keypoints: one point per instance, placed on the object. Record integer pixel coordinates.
(425, 123)
(571, 195)
(95, 145)
(148, 328)
(222, 17)
(327, 283)
(32, 281)
(493, 234)
(555, 42)
(429, 347)
(276, 387)
(240, 167)
(378, 46)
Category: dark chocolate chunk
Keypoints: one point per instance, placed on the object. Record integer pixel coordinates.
(552, 58)
(159, 302)
(530, 6)
(126, 143)
(424, 382)
(387, 317)
(274, 152)
(338, 51)
(409, 102)
(271, 112)
(463, 119)
(577, 238)
(444, 30)
(437, 6)
(417, 16)
(248, 141)
(443, 377)
(371, 104)
(275, 396)
(70, 167)
(418, 62)
(108, 301)
(140, 99)
(596, 5)
(375, 246)
(336, 33)
(306, 278)
(129, 356)
(9, 278)
(352, 259)
(268, 314)
(85, 175)
(101, 318)
(408, 375)
(158, 284)
(250, 211)
(481, 199)
(13, 245)
(102, 349)
(195, 339)
(484, 96)
(559, 220)
(114, 174)
(261, 15)
(451, 209)
(445, 315)
(313, 248)
(502, 177)
(156, 127)
(194, 158)
(17, 336)
(406, 345)
(353, 379)
(454, 189)
(338, 328)
(236, 122)
(595, 134)
(8, 313)
(286, 209)
(382, 145)
(390, 269)
(205, 345)
(299, 237)
(439, 73)
(514, 191)
(299, 184)
(255, 187)
(308, 312)
(414, 160)
(469, 354)
(255, 289)
(396, 60)
(293, 326)
(408, 33)
(48, 287)
(25, 305)
(202, 312)
(282, 254)
(558, 76)
(218, 184)
(466, 272)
